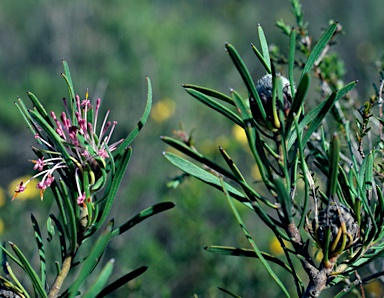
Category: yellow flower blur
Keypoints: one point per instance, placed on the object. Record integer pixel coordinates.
(2, 197)
(239, 134)
(31, 192)
(162, 110)
(275, 247)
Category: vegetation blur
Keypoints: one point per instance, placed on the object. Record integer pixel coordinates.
(111, 47)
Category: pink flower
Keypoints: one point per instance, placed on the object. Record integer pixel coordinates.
(81, 199)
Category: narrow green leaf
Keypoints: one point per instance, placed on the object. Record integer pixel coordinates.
(40, 247)
(242, 69)
(63, 246)
(194, 154)
(245, 252)
(39, 107)
(291, 60)
(27, 118)
(242, 108)
(142, 216)
(215, 106)
(320, 116)
(264, 47)
(19, 287)
(229, 292)
(297, 102)
(210, 92)
(334, 158)
(36, 282)
(256, 145)
(251, 242)
(92, 259)
(368, 175)
(251, 193)
(235, 170)
(139, 125)
(50, 229)
(316, 115)
(111, 189)
(305, 172)
(121, 281)
(11, 256)
(284, 199)
(72, 215)
(68, 79)
(100, 281)
(203, 175)
(261, 59)
(318, 49)
(60, 203)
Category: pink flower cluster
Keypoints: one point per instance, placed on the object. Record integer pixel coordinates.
(82, 140)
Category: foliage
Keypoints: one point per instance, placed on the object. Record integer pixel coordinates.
(317, 193)
(84, 170)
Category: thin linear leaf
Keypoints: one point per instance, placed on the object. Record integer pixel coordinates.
(61, 236)
(264, 47)
(203, 175)
(320, 116)
(92, 259)
(210, 92)
(261, 58)
(243, 71)
(305, 172)
(11, 256)
(318, 113)
(100, 281)
(334, 158)
(242, 108)
(142, 216)
(113, 187)
(39, 107)
(40, 247)
(68, 79)
(245, 252)
(50, 229)
(284, 199)
(194, 154)
(60, 203)
(291, 60)
(215, 106)
(251, 193)
(318, 49)
(72, 215)
(297, 102)
(27, 118)
(368, 175)
(36, 282)
(140, 124)
(235, 170)
(19, 287)
(251, 242)
(229, 292)
(121, 281)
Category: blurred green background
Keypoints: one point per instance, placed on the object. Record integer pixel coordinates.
(111, 46)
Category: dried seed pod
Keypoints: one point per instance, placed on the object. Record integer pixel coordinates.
(340, 221)
(264, 88)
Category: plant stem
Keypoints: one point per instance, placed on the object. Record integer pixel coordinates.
(61, 277)
(317, 277)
